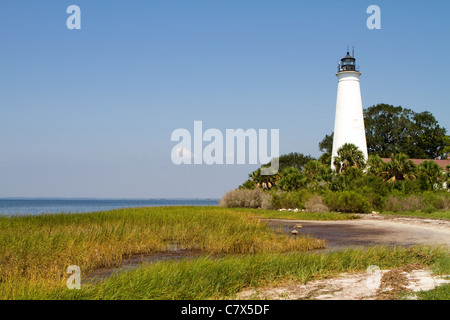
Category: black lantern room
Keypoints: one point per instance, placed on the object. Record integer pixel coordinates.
(347, 63)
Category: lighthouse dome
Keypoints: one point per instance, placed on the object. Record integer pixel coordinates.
(347, 63)
(348, 56)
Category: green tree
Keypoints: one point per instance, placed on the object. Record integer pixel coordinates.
(446, 150)
(292, 179)
(326, 145)
(317, 171)
(291, 160)
(400, 168)
(349, 156)
(430, 139)
(325, 158)
(375, 165)
(248, 184)
(352, 178)
(262, 181)
(430, 175)
(388, 129)
(392, 130)
(294, 160)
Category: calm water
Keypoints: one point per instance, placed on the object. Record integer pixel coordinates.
(36, 206)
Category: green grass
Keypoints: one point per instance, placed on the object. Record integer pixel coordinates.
(438, 293)
(35, 251)
(275, 214)
(445, 215)
(223, 278)
(291, 215)
(440, 267)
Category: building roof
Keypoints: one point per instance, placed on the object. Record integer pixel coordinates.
(442, 163)
(348, 56)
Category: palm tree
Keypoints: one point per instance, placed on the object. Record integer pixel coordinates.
(264, 181)
(400, 168)
(349, 156)
(319, 174)
(316, 170)
(292, 179)
(375, 165)
(430, 174)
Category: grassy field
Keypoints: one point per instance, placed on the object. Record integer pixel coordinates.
(439, 293)
(299, 215)
(223, 278)
(35, 251)
(445, 215)
(275, 214)
(441, 267)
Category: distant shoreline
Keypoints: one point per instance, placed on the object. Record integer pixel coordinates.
(36, 206)
(94, 198)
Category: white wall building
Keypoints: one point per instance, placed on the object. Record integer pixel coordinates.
(349, 120)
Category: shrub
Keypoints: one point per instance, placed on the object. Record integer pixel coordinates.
(289, 200)
(249, 184)
(246, 198)
(436, 201)
(405, 187)
(292, 179)
(375, 165)
(430, 175)
(428, 202)
(408, 203)
(374, 185)
(443, 202)
(376, 200)
(316, 204)
(347, 201)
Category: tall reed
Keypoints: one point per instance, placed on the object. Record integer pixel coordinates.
(206, 278)
(36, 250)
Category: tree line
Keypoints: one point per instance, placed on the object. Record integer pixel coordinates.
(392, 132)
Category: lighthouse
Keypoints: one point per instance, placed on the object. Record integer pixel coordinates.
(349, 120)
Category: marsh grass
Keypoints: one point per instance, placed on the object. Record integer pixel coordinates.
(300, 215)
(444, 215)
(438, 293)
(35, 251)
(206, 278)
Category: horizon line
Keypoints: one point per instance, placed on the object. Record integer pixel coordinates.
(100, 198)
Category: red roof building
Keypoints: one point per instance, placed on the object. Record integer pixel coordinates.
(442, 163)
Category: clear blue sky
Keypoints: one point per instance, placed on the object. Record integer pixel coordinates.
(89, 113)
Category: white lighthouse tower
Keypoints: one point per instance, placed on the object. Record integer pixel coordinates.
(349, 121)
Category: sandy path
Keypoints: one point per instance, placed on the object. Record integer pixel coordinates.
(371, 230)
(351, 286)
(367, 231)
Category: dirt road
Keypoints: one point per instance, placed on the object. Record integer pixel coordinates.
(371, 230)
(367, 231)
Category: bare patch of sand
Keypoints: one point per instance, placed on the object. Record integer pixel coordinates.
(384, 284)
(436, 223)
(371, 230)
